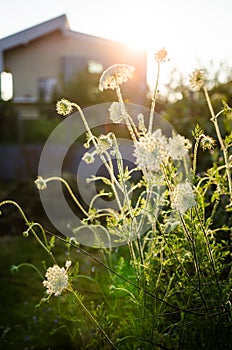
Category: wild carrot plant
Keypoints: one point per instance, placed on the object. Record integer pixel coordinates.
(162, 265)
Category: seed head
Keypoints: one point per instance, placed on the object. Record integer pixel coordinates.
(197, 79)
(161, 55)
(207, 142)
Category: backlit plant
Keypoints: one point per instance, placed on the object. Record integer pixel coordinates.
(162, 272)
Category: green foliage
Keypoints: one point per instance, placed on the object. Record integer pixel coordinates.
(83, 89)
(22, 324)
(37, 131)
(169, 286)
(191, 109)
(8, 122)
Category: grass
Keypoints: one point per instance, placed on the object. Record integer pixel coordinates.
(23, 325)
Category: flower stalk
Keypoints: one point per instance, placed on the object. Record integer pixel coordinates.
(95, 322)
(153, 100)
(214, 119)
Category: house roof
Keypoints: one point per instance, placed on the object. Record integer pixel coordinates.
(25, 36)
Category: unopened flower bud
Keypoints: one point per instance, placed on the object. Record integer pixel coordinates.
(40, 183)
(64, 107)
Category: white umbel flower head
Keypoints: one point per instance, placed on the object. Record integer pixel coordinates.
(182, 197)
(151, 150)
(57, 279)
(178, 147)
(115, 75)
(116, 114)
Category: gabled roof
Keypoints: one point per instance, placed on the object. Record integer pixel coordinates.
(25, 36)
(58, 23)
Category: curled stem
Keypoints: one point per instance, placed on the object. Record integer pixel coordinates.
(57, 178)
(28, 265)
(28, 223)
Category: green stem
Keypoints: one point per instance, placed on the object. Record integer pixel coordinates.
(154, 99)
(196, 263)
(42, 230)
(210, 256)
(195, 155)
(113, 179)
(127, 280)
(30, 225)
(121, 173)
(57, 178)
(125, 116)
(92, 318)
(28, 265)
(223, 147)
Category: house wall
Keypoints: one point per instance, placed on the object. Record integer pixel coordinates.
(45, 57)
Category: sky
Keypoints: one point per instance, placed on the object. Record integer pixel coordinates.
(194, 32)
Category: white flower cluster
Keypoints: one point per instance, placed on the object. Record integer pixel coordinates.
(115, 111)
(57, 279)
(154, 149)
(115, 75)
(178, 147)
(182, 197)
(151, 150)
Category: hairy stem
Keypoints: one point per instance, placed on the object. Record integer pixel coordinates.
(223, 147)
(152, 110)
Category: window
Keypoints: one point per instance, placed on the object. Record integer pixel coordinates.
(94, 67)
(46, 88)
(6, 86)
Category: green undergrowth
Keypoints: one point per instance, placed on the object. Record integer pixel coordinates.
(24, 324)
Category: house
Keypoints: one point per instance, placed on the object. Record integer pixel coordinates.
(41, 57)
